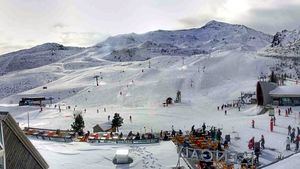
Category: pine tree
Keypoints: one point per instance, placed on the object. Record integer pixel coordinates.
(117, 121)
(78, 124)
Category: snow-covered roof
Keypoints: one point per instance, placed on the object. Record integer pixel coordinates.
(122, 152)
(286, 91)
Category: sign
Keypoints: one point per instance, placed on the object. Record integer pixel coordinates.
(214, 155)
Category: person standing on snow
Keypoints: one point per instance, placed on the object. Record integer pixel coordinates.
(193, 129)
(251, 143)
(257, 152)
(271, 125)
(203, 128)
(288, 143)
(293, 135)
(253, 122)
(289, 130)
(262, 142)
(297, 143)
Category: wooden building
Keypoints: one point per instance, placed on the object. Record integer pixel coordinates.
(16, 151)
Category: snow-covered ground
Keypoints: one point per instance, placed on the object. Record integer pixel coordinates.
(225, 75)
(291, 162)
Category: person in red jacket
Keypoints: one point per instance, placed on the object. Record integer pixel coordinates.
(271, 124)
(251, 143)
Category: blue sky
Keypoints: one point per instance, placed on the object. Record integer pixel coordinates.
(26, 23)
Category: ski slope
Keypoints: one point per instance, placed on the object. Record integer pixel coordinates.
(224, 76)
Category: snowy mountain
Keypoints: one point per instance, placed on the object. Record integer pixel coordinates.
(62, 60)
(35, 57)
(284, 43)
(214, 36)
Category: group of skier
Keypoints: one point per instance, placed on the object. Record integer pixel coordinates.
(293, 138)
(215, 134)
(256, 146)
(224, 107)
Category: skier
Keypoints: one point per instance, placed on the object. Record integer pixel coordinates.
(219, 135)
(173, 133)
(286, 113)
(121, 135)
(251, 143)
(253, 123)
(288, 142)
(97, 110)
(297, 143)
(203, 127)
(257, 152)
(274, 119)
(225, 112)
(279, 112)
(293, 135)
(130, 118)
(289, 130)
(271, 125)
(193, 129)
(298, 131)
(262, 142)
(108, 117)
(104, 109)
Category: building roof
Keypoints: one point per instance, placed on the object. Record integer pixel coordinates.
(9, 121)
(286, 91)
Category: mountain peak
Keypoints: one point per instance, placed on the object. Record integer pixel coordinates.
(215, 23)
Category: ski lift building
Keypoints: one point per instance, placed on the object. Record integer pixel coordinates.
(286, 96)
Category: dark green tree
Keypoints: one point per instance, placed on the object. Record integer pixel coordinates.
(117, 121)
(78, 124)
